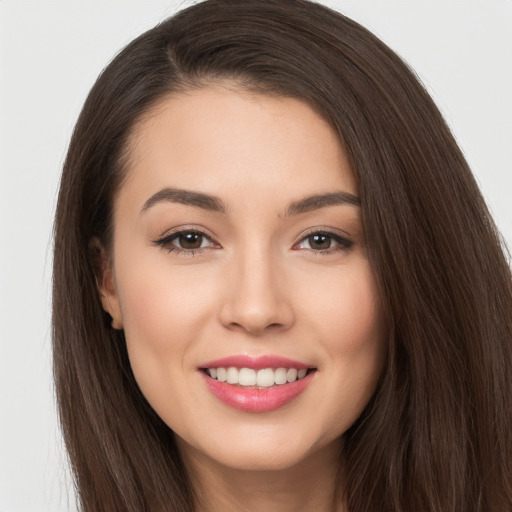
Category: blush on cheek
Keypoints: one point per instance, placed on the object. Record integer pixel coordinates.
(159, 323)
(359, 324)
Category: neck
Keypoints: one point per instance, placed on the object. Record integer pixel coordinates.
(309, 485)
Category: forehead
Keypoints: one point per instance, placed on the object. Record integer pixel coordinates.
(228, 143)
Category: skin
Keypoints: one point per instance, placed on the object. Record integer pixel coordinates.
(258, 285)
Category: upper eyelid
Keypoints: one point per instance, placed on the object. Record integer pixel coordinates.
(167, 241)
(336, 232)
(176, 231)
(342, 238)
(173, 233)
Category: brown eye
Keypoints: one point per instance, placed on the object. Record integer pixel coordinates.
(324, 242)
(190, 240)
(319, 241)
(186, 242)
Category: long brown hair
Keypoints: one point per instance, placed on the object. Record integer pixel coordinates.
(437, 434)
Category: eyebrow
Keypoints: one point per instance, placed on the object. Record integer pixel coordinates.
(214, 204)
(319, 201)
(186, 197)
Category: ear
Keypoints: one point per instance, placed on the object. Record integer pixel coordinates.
(105, 282)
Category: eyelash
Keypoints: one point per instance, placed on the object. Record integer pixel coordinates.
(344, 244)
(166, 242)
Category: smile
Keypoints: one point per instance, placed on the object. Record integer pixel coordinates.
(264, 378)
(257, 384)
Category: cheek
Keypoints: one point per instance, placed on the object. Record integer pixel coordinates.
(357, 337)
(161, 306)
(150, 313)
(167, 310)
(347, 311)
(149, 332)
(161, 316)
(352, 335)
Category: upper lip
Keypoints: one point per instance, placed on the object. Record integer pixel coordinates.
(256, 363)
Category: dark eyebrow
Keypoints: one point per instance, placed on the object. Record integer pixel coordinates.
(321, 201)
(186, 197)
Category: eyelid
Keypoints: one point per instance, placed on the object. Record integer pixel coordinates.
(164, 240)
(324, 229)
(186, 228)
(343, 238)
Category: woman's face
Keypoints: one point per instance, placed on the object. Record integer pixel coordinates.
(238, 243)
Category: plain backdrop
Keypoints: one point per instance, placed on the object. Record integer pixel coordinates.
(50, 54)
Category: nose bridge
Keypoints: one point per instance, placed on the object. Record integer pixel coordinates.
(257, 299)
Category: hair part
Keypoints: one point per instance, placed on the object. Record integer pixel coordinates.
(437, 434)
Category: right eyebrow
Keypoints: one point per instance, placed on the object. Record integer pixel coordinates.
(187, 197)
(319, 201)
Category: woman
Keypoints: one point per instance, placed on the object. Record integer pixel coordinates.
(276, 284)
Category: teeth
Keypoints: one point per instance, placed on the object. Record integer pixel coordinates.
(263, 378)
(291, 375)
(221, 374)
(280, 376)
(247, 377)
(232, 376)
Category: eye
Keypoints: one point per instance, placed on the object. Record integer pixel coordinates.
(325, 242)
(186, 241)
(191, 240)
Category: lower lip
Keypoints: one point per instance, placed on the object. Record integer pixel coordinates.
(257, 399)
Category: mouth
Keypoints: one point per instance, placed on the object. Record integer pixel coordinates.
(257, 384)
(262, 378)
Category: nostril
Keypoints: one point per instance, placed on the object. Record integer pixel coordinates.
(256, 306)
(255, 326)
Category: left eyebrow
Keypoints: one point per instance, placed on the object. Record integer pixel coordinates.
(321, 201)
(186, 197)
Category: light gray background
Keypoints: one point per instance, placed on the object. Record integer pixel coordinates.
(50, 54)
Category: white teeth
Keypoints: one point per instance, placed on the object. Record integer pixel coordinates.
(280, 376)
(232, 375)
(247, 377)
(263, 378)
(291, 375)
(221, 374)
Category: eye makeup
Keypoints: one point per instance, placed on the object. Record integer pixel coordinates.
(186, 241)
(193, 241)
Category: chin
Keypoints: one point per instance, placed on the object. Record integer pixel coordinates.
(262, 460)
(264, 451)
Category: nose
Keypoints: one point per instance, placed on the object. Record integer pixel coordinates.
(257, 300)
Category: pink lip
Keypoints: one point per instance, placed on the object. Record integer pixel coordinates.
(252, 399)
(257, 399)
(256, 363)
